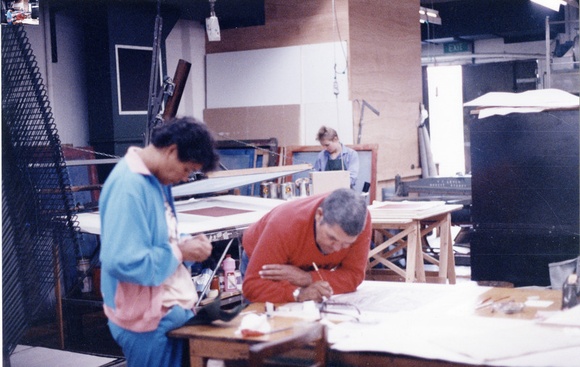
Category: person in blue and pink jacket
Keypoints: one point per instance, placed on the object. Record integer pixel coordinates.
(147, 290)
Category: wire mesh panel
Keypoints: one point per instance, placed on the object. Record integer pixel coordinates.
(39, 232)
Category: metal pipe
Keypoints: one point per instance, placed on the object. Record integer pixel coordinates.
(449, 58)
(548, 79)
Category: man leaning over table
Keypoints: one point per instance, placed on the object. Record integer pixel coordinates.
(332, 231)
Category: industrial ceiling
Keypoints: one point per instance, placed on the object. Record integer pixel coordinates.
(512, 20)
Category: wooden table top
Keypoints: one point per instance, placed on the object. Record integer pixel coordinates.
(389, 211)
(519, 295)
(282, 326)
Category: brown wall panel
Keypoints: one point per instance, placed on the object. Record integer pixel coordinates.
(385, 70)
(264, 122)
(397, 136)
(288, 23)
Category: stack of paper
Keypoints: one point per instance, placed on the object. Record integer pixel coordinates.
(503, 103)
(402, 209)
(570, 317)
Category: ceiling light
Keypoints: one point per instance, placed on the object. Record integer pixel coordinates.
(427, 15)
(551, 4)
(212, 25)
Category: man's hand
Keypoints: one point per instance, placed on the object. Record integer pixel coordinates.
(293, 274)
(317, 291)
(196, 248)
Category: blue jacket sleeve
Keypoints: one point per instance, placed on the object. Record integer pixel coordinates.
(353, 166)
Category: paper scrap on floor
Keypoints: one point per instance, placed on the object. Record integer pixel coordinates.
(27, 356)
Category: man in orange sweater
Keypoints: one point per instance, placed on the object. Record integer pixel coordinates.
(284, 249)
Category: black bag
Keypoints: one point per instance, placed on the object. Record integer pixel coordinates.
(213, 311)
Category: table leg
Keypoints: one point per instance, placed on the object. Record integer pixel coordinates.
(446, 257)
(414, 266)
(194, 359)
(420, 267)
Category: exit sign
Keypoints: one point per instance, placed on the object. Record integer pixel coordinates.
(454, 47)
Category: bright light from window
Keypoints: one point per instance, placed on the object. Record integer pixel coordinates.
(551, 4)
(446, 118)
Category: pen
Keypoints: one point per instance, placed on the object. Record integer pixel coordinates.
(485, 300)
(317, 271)
(501, 299)
(489, 301)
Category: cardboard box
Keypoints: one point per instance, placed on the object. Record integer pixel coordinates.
(325, 181)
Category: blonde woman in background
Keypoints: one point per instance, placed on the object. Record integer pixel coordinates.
(336, 156)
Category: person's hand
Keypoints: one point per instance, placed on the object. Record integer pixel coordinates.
(293, 274)
(317, 291)
(196, 248)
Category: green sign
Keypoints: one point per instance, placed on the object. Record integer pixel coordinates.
(454, 47)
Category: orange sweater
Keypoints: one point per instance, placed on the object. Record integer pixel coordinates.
(286, 236)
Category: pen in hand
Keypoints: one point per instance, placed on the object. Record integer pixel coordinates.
(317, 271)
(324, 299)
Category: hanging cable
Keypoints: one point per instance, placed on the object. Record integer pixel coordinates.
(153, 107)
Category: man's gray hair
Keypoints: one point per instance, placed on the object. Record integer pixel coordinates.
(347, 209)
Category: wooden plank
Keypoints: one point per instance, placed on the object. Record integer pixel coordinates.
(79, 154)
(214, 349)
(258, 170)
(219, 181)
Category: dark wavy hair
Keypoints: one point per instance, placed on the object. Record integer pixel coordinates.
(194, 141)
(345, 208)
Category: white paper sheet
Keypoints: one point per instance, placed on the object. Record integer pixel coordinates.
(436, 321)
(190, 223)
(387, 297)
(490, 339)
(570, 317)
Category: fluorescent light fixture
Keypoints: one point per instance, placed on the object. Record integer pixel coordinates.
(212, 25)
(551, 4)
(427, 15)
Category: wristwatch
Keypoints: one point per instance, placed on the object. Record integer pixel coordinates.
(296, 294)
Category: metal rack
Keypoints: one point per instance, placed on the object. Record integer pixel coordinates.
(569, 69)
(40, 239)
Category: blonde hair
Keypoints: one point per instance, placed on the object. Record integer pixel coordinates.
(326, 133)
